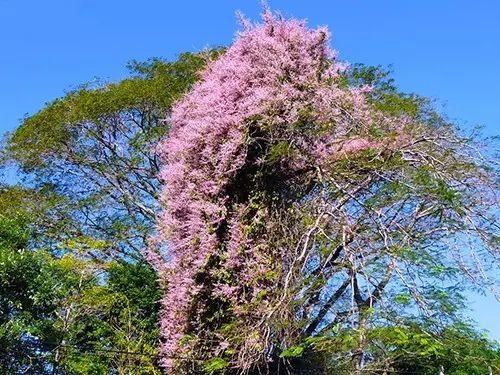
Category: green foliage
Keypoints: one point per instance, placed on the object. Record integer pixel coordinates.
(156, 84)
(459, 350)
(215, 365)
(292, 351)
(385, 95)
(411, 349)
(70, 315)
(278, 151)
(31, 284)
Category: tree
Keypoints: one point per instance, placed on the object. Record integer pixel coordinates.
(301, 203)
(95, 149)
(68, 315)
(412, 349)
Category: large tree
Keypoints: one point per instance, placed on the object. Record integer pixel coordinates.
(95, 149)
(303, 206)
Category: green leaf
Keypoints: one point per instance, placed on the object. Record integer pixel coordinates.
(292, 351)
(214, 365)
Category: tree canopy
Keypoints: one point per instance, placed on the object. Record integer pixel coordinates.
(262, 208)
(95, 149)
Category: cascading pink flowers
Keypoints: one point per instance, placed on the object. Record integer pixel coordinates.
(270, 75)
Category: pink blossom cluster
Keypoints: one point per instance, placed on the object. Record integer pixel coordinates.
(270, 75)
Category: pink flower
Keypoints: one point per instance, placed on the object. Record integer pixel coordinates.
(272, 72)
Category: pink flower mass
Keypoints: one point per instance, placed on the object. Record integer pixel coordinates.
(274, 76)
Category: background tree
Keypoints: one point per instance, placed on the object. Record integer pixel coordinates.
(414, 350)
(66, 314)
(95, 148)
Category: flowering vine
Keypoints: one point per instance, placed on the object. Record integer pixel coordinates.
(265, 117)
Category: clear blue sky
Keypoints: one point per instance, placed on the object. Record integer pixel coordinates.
(448, 50)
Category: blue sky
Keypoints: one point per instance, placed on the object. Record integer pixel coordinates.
(447, 50)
